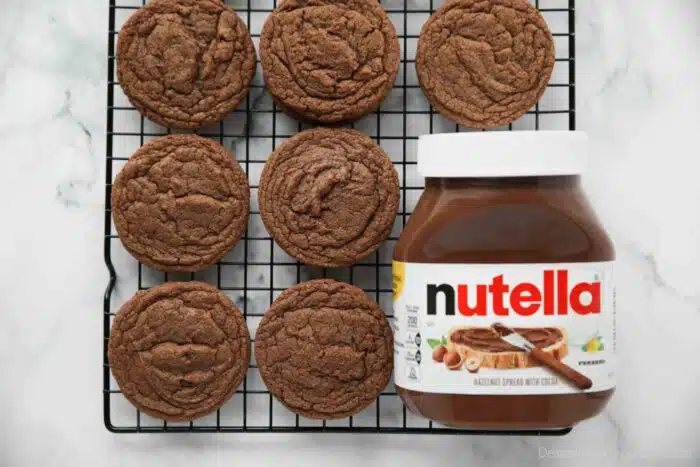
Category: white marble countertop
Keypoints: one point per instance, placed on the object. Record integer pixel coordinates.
(638, 97)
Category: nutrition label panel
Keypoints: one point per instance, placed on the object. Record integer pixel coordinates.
(408, 344)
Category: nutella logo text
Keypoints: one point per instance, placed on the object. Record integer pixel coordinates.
(554, 297)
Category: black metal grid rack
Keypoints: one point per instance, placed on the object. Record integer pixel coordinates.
(256, 271)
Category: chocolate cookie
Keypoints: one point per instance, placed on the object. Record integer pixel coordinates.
(180, 203)
(324, 349)
(179, 350)
(485, 63)
(329, 60)
(185, 63)
(329, 196)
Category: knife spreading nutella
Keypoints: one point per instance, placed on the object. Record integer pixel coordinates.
(503, 241)
(489, 339)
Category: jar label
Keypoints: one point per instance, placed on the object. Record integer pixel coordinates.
(504, 329)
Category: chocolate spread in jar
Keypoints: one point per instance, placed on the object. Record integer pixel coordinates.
(487, 221)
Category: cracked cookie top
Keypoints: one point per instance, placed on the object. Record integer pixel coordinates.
(485, 63)
(329, 60)
(180, 203)
(329, 196)
(185, 63)
(324, 349)
(179, 351)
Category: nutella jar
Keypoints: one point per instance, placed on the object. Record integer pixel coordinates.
(504, 301)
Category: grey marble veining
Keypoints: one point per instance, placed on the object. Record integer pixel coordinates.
(638, 64)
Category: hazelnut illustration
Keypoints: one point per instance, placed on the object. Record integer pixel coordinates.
(439, 353)
(452, 360)
(472, 364)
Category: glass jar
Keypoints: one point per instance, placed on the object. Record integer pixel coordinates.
(503, 235)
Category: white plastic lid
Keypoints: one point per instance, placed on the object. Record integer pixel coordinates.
(502, 154)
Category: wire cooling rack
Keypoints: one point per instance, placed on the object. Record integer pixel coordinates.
(256, 271)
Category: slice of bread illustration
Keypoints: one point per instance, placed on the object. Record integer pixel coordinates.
(485, 343)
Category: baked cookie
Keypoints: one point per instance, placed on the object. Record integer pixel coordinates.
(485, 63)
(328, 61)
(185, 63)
(179, 350)
(180, 203)
(329, 196)
(324, 349)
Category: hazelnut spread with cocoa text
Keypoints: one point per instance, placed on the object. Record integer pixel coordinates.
(503, 238)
